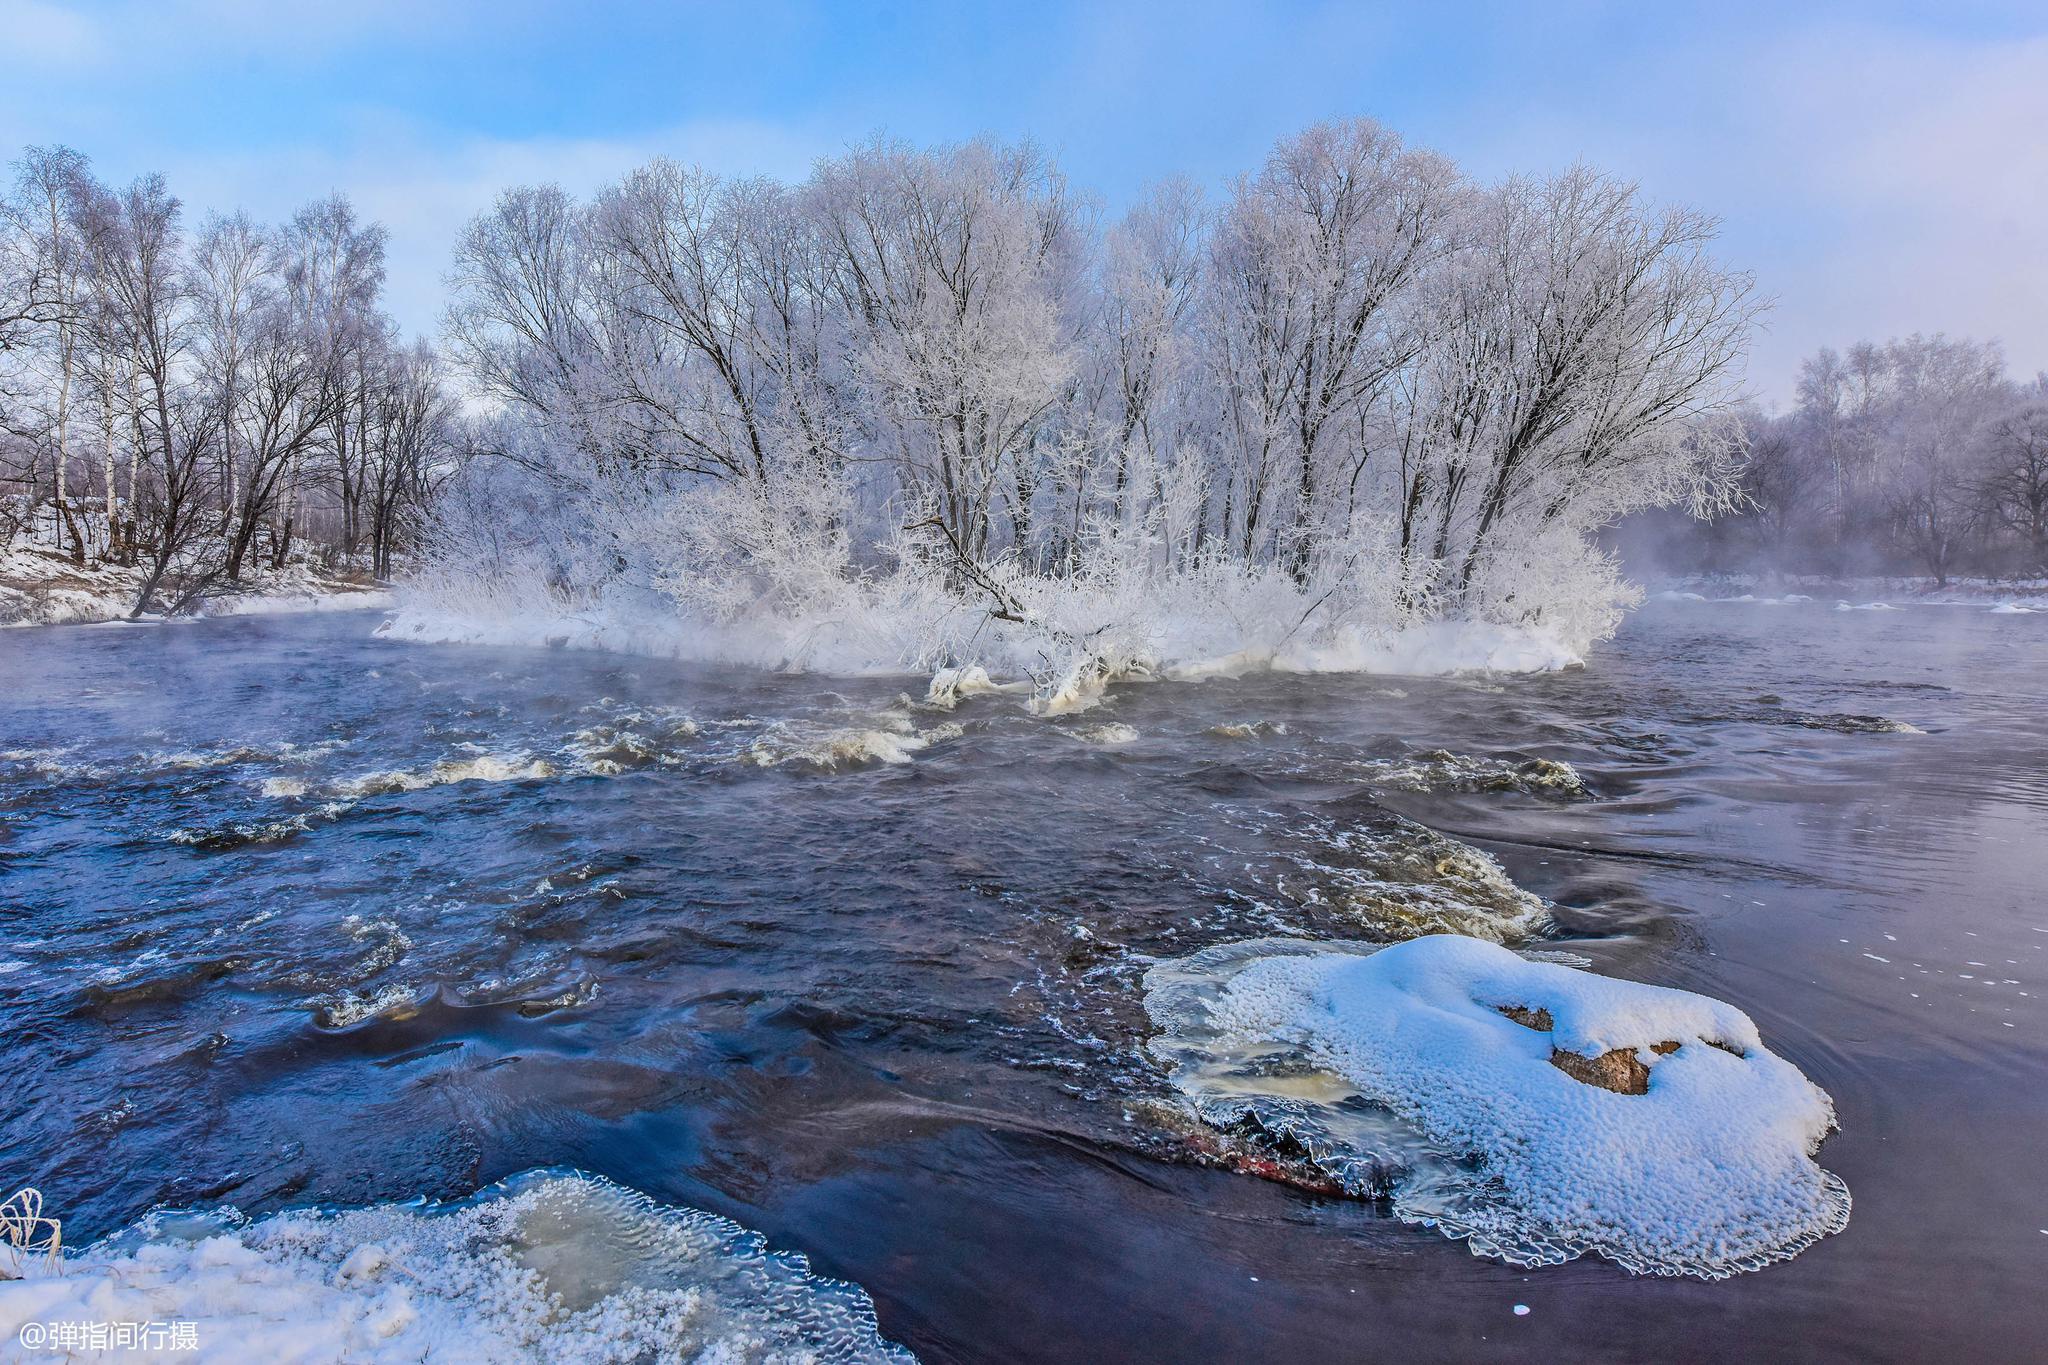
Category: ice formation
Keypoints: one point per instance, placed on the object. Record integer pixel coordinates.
(1400, 1070)
(546, 1267)
(949, 686)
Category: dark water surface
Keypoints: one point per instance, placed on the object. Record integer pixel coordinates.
(290, 915)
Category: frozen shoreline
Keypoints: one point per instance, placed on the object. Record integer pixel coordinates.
(1177, 650)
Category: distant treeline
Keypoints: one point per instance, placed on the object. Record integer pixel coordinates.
(202, 402)
(1916, 457)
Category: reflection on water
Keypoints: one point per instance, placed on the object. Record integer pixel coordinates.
(290, 915)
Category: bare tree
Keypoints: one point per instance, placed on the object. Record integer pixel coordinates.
(412, 450)
(333, 268)
(50, 186)
(143, 310)
(2015, 478)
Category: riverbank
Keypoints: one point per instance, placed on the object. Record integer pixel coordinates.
(43, 588)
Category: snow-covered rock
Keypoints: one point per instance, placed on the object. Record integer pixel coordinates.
(1708, 1171)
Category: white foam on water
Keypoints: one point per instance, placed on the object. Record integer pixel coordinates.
(1436, 770)
(480, 768)
(1398, 879)
(548, 1266)
(891, 739)
(1251, 729)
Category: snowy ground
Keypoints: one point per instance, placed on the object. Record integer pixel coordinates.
(39, 587)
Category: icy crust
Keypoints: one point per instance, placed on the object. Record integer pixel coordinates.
(1396, 1070)
(549, 1266)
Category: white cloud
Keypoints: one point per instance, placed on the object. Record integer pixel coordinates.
(424, 188)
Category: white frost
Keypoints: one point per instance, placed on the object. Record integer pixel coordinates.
(547, 1267)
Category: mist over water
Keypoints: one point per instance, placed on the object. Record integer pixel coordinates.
(299, 916)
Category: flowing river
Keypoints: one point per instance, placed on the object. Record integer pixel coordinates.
(291, 915)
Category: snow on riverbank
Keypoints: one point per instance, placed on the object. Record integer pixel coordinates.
(851, 645)
(40, 588)
(547, 1266)
(1646, 1124)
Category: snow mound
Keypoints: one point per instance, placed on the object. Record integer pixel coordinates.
(2011, 609)
(1337, 1049)
(548, 1266)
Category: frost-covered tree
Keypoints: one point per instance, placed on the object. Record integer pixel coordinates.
(926, 393)
(1314, 270)
(1362, 390)
(947, 269)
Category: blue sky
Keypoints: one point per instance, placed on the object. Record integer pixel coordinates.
(1882, 168)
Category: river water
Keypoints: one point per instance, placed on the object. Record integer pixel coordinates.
(292, 915)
